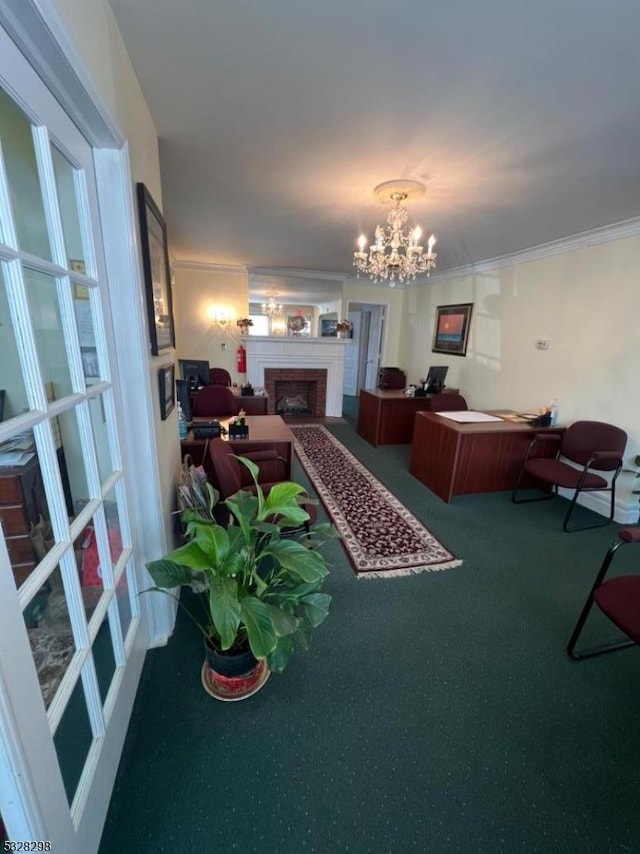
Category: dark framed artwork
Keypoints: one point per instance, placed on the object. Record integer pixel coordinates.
(452, 329)
(166, 387)
(157, 278)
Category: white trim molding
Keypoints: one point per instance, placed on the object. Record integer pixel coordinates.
(605, 234)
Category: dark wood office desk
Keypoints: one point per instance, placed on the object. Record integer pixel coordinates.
(386, 416)
(460, 459)
(264, 430)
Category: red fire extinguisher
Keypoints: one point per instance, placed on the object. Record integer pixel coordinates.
(241, 360)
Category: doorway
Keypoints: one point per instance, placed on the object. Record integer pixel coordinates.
(362, 359)
(72, 639)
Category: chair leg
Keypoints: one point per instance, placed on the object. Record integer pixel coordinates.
(582, 619)
(565, 523)
(544, 497)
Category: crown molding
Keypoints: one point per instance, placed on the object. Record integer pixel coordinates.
(604, 234)
(205, 267)
(297, 274)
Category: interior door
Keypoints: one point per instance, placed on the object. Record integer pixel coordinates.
(71, 643)
(375, 314)
(351, 356)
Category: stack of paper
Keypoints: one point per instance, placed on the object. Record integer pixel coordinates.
(469, 416)
(17, 451)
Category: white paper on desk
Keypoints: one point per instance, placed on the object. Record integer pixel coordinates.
(469, 416)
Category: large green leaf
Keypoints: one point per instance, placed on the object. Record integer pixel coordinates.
(299, 561)
(284, 622)
(280, 656)
(213, 540)
(256, 615)
(225, 609)
(281, 502)
(316, 607)
(168, 574)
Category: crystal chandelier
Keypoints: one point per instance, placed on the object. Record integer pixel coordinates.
(396, 253)
(271, 307)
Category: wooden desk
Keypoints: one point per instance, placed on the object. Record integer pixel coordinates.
(386, 416)
(459, 459)
(264, 430)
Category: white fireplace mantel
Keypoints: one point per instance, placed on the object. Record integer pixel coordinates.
(328, 353)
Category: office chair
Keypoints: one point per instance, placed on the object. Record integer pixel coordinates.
(448, 402)
(230, 474)
(593, 446)
(219, 376)
(215, 400)
(618, 598)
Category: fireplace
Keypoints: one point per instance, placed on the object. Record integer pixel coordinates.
(322, 360)
(296, 391)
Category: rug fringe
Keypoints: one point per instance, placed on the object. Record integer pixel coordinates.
(410, 570)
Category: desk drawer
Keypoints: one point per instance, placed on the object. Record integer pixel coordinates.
(10, 490)
(13, 521)
(20, 550)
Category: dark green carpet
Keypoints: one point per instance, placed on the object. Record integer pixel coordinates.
(434, 713)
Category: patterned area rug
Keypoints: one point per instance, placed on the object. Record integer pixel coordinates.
(381, 537)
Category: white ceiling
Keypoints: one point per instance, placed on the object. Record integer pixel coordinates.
(277, 118)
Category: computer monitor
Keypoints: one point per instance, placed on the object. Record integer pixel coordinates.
(196, 371)
(182, 393)
(435, 379)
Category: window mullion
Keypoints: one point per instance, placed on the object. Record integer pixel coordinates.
(8, 233)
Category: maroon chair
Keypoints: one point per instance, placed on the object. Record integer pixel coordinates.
(618, 598)
(448, 402)
(219, 376)
(230, 475)
(215, 400)
(593, 447)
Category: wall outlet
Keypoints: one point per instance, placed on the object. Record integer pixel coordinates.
(542, 343)
(223, 346)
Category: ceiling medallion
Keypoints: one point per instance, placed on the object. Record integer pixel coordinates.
(396, 253)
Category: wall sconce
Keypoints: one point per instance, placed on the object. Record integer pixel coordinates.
(221, 320)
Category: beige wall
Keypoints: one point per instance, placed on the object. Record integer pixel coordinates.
(586, 302)
(201, 291)
(356, 291)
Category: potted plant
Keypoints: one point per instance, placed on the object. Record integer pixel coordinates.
(343, 328)
(243, 323)
(260, 588)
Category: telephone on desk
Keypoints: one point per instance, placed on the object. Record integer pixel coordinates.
(208, 429)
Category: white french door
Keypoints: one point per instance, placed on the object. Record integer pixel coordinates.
(71, 636)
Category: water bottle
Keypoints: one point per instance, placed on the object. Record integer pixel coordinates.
(553, 412)
(182, 423)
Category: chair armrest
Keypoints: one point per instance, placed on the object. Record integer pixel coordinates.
(547, 437)
(258, 456)
(605, 455)
(630, 535)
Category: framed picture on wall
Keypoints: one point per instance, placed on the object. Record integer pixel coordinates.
(166, 387)
(452, 329)
(157, 278)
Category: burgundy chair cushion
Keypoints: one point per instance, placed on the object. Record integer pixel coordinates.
(582, 438)
(215, 400)
(219, 376)
(447, 402)
(619, 599)
(562, 474)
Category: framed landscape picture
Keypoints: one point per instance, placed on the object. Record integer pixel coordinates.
(452, 329)
(157, 279)
(166, 387)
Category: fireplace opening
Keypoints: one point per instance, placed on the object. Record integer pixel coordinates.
(296, 392)
(295, 397)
